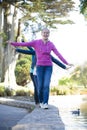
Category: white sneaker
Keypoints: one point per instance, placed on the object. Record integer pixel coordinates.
(45, 106)
(41, 105)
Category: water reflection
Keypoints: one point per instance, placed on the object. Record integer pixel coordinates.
(83, 107)
(68, 104)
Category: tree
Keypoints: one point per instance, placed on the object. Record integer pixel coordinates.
(47, 11)
(83, 7)
(7, 53)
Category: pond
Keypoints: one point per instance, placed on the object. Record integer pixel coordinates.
(73, 111)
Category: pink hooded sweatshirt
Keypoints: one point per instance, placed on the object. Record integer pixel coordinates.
(43, 51)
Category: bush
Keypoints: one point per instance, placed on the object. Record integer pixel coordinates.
(22, 72)
(21, 93)
(9, 92)
(60, 90)
(6, 92)
(2, 91)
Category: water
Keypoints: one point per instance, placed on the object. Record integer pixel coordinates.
(68, 109)
(75, 121)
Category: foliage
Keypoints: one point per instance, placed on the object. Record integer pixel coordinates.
(64, 90)
(47, 12)
(76, 83)
(6, 91)
(43, 11)
(9, 92)
(22, 93)
(58, 91)
(2, 91)
(83, 7)
(22, 70)
(65, 81)
(79, 75)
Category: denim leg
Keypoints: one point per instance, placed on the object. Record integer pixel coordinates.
(40, 78)
(35, 88)
(47, 79)
(44, 76)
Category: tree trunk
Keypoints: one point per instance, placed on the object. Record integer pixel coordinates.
(1, 46)
(9, 52)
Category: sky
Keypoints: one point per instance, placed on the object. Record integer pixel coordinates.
(71, 39)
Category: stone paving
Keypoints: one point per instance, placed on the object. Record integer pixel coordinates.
(40, 119)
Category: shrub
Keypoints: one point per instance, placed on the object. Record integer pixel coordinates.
(22, 72)
(60, 90)
(2, 91)
(21, 93)
(6, 91)
(9, 92)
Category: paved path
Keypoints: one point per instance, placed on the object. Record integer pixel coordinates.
(41, 119)
(38, 119)
(9, 116)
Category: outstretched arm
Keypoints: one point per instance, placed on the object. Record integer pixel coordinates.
(61, 57)
(29, 52)
(30, 48)
(58, 62)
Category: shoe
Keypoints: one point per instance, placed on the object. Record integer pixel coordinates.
(45, 106)
(41, 105)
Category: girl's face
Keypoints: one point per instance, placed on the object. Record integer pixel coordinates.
(45, 34)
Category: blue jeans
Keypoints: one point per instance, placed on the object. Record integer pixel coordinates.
(44, 77)
(35, 83)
